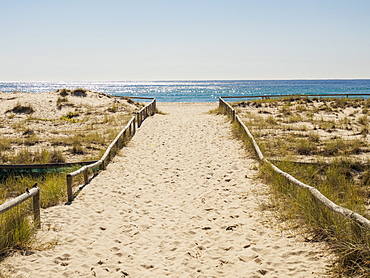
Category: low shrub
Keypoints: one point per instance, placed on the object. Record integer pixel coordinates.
(5, 144)
(63, 92)
(71, 117)
(77, 147)
(113, 108)
(271, 120)
(79, 92)
(363, 120)
(305, 147)
(333, 147)
(61, 101)
(22, 109)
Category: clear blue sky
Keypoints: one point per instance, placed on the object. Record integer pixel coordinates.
(73, 40)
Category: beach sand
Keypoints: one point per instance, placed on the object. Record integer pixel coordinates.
(182, 200)
(57, 120)
(278, 121)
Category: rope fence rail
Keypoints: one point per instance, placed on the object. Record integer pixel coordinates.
(315, 193)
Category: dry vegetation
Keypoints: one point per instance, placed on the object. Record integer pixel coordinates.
(325, 144)
(62, 126)
(324, 132)
(305, 129)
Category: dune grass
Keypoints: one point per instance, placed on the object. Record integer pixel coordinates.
(16, 229)
(339, 130)
(22, 109)
(83, 143)
(27, 134)
(343, 180)
(42, 156)
(348, 240)
(80, 134)
(52, 185)
(16, 226)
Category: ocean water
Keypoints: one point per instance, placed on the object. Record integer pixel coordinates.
(198, 91)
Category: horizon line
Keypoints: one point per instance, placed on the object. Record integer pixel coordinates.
(187, 80)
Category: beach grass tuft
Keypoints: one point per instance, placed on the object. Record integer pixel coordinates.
(79, 92)
(16, 229)
(113, 108)
(61, 101)
(22, 109)
(53, 189)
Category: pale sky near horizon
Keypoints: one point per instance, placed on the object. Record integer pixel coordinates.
(72, 40)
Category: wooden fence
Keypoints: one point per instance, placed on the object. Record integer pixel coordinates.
(35, 193)
(145, 112)
(359, 219)
(127, 132)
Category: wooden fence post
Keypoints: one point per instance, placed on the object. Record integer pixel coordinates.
(36, 209)
(125, 138)
(69, 188)
(137, 119)
(86, 175)
(134, 126)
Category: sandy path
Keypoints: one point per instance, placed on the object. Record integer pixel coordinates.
(180, 201)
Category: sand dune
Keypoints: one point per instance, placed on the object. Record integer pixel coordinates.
(182, 200)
